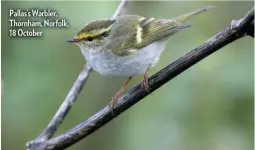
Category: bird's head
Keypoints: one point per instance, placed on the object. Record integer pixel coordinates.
(93, 35)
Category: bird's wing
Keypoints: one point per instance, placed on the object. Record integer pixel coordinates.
(131, 33)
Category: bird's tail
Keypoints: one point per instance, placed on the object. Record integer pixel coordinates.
(189, 15)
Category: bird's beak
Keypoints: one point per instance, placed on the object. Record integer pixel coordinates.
(74, 40)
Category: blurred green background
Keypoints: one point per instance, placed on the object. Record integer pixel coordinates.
(209, 106)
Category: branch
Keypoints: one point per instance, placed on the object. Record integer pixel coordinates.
(48, 132)
(250, 29)
(63, 110)
(250, 26)
(234, 31)
(67, 104)
(121, 8)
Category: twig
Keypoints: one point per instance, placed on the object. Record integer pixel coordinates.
(250, 27)
(63, 110)
(67, 104)
(121, 8)
(234, 31)
(48, 132)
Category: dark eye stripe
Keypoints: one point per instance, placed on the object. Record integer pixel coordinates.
(105, 34)
(90, 38)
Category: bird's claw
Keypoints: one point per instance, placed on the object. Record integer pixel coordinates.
(114, 102)
(145, 83)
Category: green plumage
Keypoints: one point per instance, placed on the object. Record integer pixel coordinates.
(124, 31)
(128, 33)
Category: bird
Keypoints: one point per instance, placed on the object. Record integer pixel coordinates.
(128, 45)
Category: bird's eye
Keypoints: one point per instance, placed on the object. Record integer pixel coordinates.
(90, 38)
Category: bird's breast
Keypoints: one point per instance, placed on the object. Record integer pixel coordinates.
(107, 63)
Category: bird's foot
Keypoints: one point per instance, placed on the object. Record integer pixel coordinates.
(117, 96)
(145, 83)
(114, 101)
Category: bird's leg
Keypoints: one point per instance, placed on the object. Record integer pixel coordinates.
(145, 83)
(117, 96)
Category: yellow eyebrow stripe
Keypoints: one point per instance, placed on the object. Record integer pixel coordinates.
(93, 33)
(83, 36)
